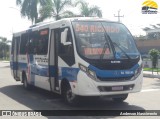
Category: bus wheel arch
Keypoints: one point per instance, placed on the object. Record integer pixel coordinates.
(67, 94)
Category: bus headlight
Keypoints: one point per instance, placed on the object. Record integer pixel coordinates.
(92, 74)
(138, 71)
(83, 68)
(89, 72)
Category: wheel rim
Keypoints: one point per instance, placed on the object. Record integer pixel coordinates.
(70, 96)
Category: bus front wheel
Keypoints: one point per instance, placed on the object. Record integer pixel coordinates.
(69, 96)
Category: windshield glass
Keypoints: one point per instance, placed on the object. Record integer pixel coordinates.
(106, 40)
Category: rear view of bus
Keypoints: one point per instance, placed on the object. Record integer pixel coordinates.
(109, 62)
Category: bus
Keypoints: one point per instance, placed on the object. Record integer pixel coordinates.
(78, 57)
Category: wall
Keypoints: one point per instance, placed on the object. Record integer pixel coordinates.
(145, 45)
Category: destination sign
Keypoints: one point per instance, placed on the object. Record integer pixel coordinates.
(95, 51)
(95, 28)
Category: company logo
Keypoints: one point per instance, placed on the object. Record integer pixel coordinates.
(149, 7)
(6, 113)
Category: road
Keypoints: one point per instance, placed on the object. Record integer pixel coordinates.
(14, 97)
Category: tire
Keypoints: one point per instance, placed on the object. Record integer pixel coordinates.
(25, 83)
(69, 97)
(120, 98)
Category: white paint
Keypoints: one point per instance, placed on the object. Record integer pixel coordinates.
(149, 90)
(42, 82)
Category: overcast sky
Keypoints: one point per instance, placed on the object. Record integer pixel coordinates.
(11, 20)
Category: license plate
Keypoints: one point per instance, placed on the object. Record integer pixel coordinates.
(117, 88)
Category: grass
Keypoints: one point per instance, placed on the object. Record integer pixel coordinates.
(150, 69)
(6, 59)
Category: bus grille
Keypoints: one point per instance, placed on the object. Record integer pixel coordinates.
(110, 88)
(116, 79)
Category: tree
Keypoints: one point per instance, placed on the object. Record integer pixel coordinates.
(87, 11)
(4, 47)
(57, 9)
(29, 8)
(154, 57)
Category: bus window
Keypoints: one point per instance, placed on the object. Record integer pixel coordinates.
(32, 43)
(66, 52)
(24, 40)
(42, 42)
(13, 44)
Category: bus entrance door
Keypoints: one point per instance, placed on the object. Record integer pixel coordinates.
(15, 57)
(53, 61)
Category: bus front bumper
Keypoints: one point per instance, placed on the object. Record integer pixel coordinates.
(85, 86)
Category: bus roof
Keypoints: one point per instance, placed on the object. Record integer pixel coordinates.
(41, 24)
(72, 19)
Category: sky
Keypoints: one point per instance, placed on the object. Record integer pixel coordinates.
(11, 20)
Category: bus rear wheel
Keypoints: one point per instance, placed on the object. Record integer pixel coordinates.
(25, 83)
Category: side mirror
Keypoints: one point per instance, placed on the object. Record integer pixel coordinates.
(64, 37)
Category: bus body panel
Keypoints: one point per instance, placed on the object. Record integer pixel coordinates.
(87, 86)
(49, 70)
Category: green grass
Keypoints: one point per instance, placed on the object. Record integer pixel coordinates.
(7, 59)
(150, 69)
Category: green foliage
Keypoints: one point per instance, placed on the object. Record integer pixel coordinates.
(154, 57)
(39, 10)
(29, 8)
(4, 48)
(87, 11)
(56, 9)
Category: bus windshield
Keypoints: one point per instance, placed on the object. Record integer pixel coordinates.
(104, 40)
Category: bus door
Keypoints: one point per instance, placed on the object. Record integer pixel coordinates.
(15, 50)
(53, 60)
(61, 54)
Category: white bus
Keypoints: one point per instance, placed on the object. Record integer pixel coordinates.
(78, 57)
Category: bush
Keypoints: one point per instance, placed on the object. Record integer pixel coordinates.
(154, 54)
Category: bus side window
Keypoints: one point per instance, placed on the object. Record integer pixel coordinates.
(66, 52)
(42, 42)
(13, 45)
(23, 44)
(32, 43)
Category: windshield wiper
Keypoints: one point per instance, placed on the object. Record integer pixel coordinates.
(114, 43)
(104, 49)
(107, 38)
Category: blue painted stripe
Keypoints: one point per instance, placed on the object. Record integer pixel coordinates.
(52, 71)
(114, 73)
(41, 70)
(69, 73)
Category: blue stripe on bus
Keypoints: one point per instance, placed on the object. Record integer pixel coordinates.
(41, 70)
(52, 71)
(114, 73)
(49, 71)
(69, 73)
(18, 66)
